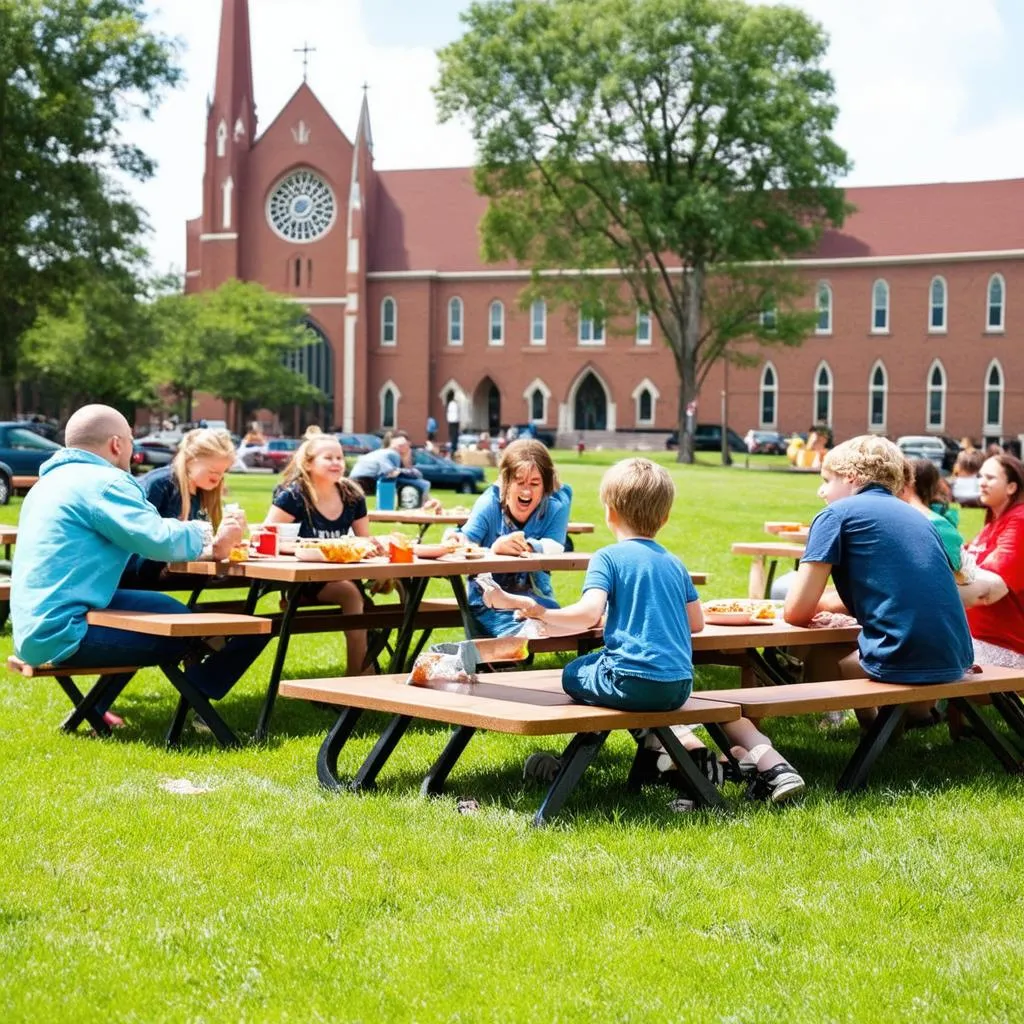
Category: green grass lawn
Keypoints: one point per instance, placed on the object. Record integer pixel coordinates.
(266, 899)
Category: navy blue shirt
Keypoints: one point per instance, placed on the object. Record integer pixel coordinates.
(892, 574)
(647, 631)
(162, 492)
(312, 523)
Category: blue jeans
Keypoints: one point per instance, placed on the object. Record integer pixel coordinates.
(593, 679)
(103, 647)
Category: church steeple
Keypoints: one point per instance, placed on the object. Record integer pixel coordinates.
(233, 92)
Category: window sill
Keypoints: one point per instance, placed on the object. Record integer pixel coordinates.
(824, 334)
(938, 330)
(994, 330)
(879, 330)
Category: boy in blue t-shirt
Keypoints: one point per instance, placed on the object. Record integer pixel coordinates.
(650, 607)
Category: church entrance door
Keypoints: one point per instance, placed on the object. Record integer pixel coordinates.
(591, 405)
(487, 407)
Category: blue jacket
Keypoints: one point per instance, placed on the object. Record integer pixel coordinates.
(78, 527)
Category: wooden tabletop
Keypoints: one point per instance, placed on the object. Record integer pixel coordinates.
(420, 517)
(784, 526)
(769, 549)
(194, 624)
(8, 534)
(528, 703)
(795, 533)
(291, 570)
(778, 634)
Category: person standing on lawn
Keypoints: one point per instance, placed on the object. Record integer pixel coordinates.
(453, 416)
(79, 526)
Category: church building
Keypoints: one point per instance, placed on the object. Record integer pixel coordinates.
(920, 319)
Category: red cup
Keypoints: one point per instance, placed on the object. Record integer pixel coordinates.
(266, 543)
(397, 553)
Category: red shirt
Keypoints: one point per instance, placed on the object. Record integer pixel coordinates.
(1000, 548)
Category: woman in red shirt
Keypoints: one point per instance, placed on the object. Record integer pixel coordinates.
(998, 629)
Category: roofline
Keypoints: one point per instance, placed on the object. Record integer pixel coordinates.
(813, 263)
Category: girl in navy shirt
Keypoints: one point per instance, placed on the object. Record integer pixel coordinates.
(316, 494)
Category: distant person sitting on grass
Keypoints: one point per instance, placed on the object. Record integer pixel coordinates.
(652, 608)
(79, 526)
(890, 573)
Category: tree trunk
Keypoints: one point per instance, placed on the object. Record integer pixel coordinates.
(188, 405)
(686, 364)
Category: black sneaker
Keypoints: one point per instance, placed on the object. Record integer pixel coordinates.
(542, 765)
(777, 784)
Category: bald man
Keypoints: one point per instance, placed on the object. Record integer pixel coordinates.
(79, 526)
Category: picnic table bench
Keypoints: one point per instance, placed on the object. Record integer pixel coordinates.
(198, 624)
(23, 483)
(5, 601)
(8, 535)
(528, 703)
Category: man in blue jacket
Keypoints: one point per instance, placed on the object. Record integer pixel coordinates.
(79, 526)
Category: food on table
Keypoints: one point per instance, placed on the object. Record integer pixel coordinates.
(346, 549)
(728, 607)
(239, 553)
(766, 613)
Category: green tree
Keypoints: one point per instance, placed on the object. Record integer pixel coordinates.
(70, 71)
(685, 143)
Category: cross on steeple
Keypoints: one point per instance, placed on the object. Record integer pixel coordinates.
(305, 50)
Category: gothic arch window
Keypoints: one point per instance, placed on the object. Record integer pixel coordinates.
(389, 398)
(455, 310)
(878, 394)
(538, 322)
(769, 393)
(645, 399)
(823, 395)
(823, 302)
(643, 327)
(301, 206)
(537, 395)
(496, 330)
(937, 294)
(388, 321)
(936, 413)
(994, 383)
(314, 361)
(995, 306)
(880, 307)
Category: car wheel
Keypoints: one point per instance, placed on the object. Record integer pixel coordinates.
(408, 497)
(467, 487)
(5, 488)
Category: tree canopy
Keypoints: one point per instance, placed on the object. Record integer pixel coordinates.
(685, 143)
(70, 71)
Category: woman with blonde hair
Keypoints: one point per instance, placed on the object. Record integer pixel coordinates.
(315, 493)
(191, 487)
(526, 510)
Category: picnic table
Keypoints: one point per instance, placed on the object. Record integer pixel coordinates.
(8, 535)
(424, 520)
(292, 575)
(795, 533)
(760, 580)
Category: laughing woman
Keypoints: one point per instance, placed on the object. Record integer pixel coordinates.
(527, 510)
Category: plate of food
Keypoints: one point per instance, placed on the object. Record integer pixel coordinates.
(466, 551)
(434, 550)
(337, 550)
(728, 612)
(765, 613)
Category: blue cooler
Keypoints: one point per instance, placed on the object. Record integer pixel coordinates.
(387, 495)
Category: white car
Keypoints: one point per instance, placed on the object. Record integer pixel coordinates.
(923, 446)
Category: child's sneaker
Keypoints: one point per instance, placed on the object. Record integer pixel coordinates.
(777, 784)
(542, 765)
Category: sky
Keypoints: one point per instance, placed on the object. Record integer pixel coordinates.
(928, 90)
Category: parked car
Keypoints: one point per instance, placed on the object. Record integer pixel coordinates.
(358, 444)
(152, 454)
(942, 451)
(707, 437)
(22, 452)
(765, 442)
(275, 454)
(545, 437)
(442, 473)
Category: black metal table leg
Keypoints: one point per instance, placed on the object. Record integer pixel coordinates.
(720, 740)
(871, 745)
(694, 781)
(201, 705)
(85, 705)
(327, 758)
(366, 777)
(283, 638)
(577, 757)
(773, 564)
(1005, 754)
(462, 600)
(1012, 710)
(174, 730)
(433, 782)
(415, 589)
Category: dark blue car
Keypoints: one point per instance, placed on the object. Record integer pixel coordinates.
(22, 452)
(443, 473)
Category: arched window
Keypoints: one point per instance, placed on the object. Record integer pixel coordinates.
(643, 327)
(823, 395)
(994, 398)
(389, 321)
(538, 322)
(936, 396)
(591, 331)
(455, 321)
(995, 307)
(880, 307)
(389, 397)
(314, 361)
(937, 306)
(645, 399)
(878, 389)
(496, 334)
(537, 394)
(769, 397)
(824, 304)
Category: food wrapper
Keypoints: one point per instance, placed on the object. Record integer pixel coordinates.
(968, 571)
(458, 662)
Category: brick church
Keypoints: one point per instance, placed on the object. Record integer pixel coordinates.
(920, 320)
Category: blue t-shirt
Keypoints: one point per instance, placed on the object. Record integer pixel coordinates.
(381, 462)
(647, 631)
(162, 492)
(311, 523)
(891, 572)
(489, 520)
